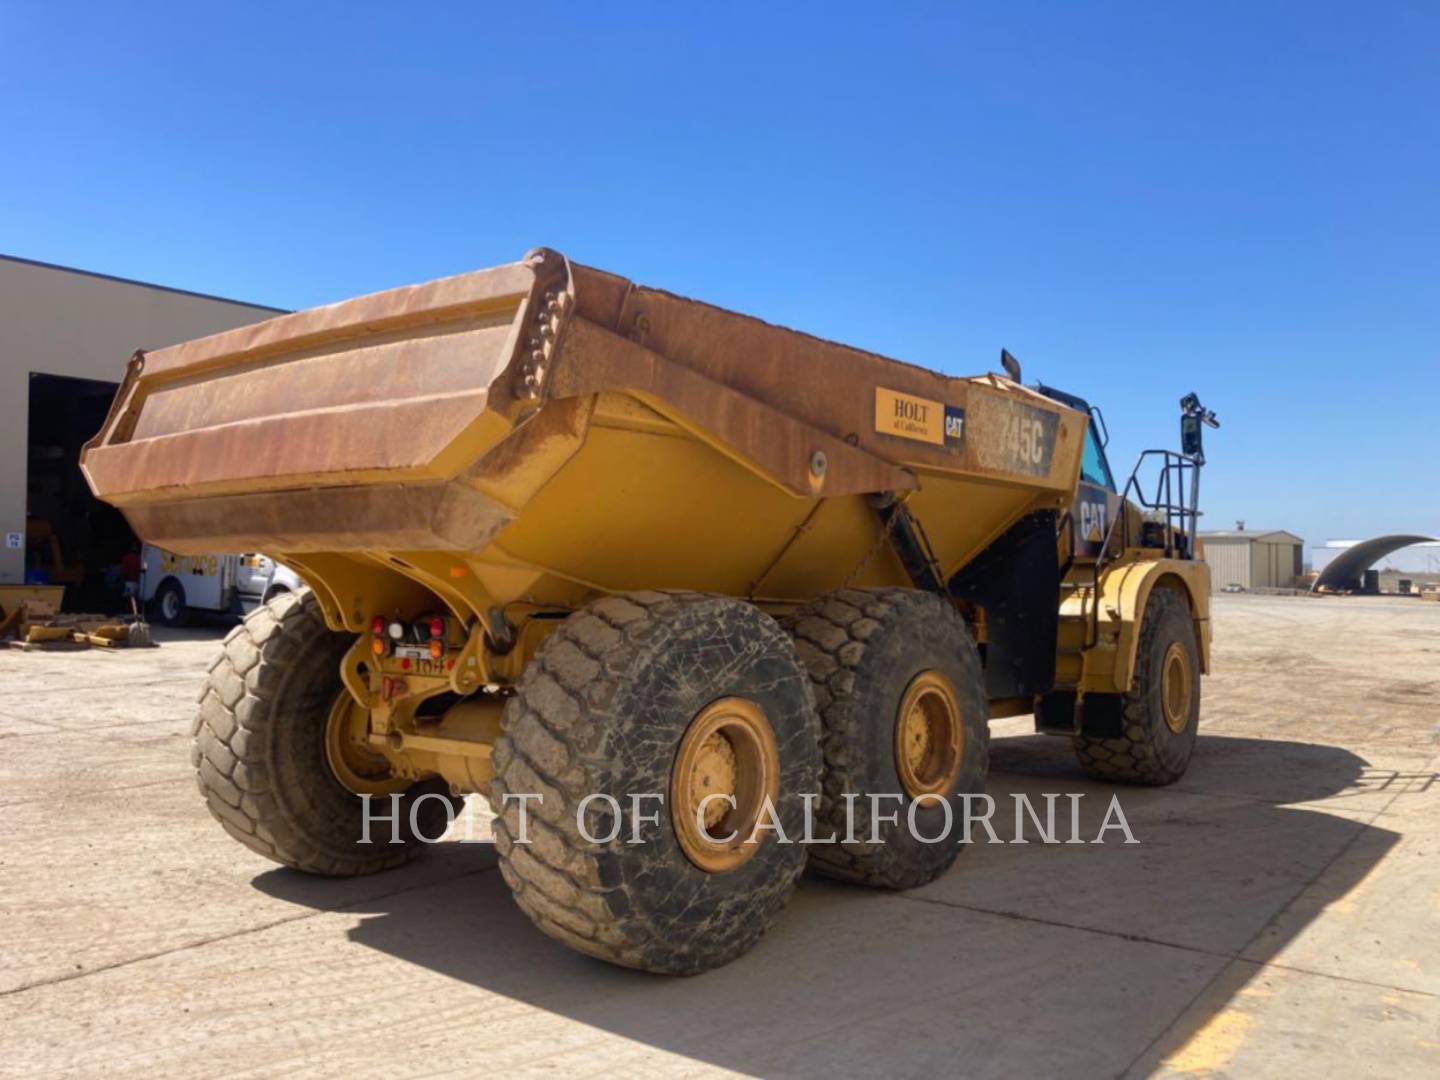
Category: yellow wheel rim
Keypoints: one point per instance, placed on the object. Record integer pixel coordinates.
(1177, 683)
(727, 755)
(359, 768)
(929, 736)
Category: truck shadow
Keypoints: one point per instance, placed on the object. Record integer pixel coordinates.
(1025, 958)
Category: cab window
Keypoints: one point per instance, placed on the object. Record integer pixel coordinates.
(1094, 469)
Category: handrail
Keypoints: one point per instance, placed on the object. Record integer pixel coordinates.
(1182, 518)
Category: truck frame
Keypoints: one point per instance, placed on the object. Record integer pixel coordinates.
(576, 539)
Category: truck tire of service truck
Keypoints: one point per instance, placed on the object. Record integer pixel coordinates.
(1160, 714)
(169, 604)
(902, 704)
(670, 718)
(276, 758)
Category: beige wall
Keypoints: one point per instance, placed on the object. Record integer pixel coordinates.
(62, 322)
(1272, 564)
(1229, 562)
(1255, 564)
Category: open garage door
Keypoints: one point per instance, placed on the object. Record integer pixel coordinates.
(71, 537)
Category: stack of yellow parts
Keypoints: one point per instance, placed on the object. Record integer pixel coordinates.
(37, 624)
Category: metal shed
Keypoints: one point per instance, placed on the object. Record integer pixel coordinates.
(1253, 558)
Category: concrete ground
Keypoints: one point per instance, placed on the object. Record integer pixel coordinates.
(1278, 916)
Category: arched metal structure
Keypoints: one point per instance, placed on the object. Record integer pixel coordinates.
(1347, 570)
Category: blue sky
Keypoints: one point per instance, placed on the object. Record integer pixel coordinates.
(1136, 199)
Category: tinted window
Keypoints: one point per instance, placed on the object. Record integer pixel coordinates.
(1094, 469)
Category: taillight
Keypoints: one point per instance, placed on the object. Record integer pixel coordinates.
(377, 626)
(437, 627)
(437, 648)
(377, 646)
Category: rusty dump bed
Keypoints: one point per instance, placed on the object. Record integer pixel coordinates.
(541, 431)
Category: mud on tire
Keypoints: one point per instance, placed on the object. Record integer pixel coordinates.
(863, 649)
(1148, 751)
(259, 749)
(602, 709)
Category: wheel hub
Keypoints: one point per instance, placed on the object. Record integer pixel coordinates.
(714, 773)
(360, 769)
(929, 736)
(726, 768)
(1176, 686)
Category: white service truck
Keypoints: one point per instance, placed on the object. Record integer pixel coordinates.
(173, 587)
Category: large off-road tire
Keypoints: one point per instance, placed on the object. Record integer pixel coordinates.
(880, 658)
(260, 750)
(618, 702)
(1161, 712)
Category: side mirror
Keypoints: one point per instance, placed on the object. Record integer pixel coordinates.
(1011, 365)
(1192, 416)
(1192, 442)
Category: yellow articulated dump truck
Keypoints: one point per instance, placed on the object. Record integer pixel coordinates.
(696, 601)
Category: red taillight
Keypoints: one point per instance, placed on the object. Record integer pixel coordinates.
(377, 626)
(437, 627)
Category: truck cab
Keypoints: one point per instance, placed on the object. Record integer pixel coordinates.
(261, 579)
(1097, 499)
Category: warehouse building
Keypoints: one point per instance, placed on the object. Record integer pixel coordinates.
(65, 336)
(1253, 558)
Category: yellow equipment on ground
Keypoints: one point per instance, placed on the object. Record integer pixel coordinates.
(687, 578)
